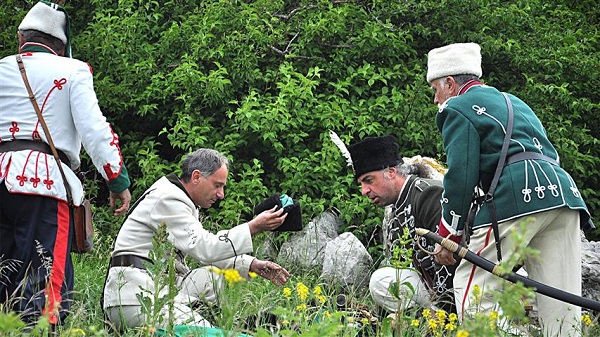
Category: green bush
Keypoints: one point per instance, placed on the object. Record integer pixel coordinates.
(263, 82)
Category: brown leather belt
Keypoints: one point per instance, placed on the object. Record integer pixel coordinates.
(23, 144)
(129, 261)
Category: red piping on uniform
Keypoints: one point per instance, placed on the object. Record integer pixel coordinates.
(60, 254)
(464, 299)
(467, 86)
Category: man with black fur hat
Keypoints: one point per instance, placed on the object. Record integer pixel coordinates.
(414, 201)
(36, 220)
(175, 202)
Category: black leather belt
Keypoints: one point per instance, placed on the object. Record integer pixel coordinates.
(129, 261)
(23, 144)
(530, 156)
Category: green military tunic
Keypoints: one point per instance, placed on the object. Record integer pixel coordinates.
(473, 127)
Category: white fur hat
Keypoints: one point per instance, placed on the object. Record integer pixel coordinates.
(46, 18)
(454, 59)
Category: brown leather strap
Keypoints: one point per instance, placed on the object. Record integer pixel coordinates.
(44, 126)
(128, 260)
(24, 144)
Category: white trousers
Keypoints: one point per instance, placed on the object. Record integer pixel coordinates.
(382, 279)
(556, 235)
(199, 285)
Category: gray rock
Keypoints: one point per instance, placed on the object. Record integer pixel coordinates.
(347, 262)
(590, 268)
(305, 249)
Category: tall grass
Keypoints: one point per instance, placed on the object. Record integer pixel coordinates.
(305, 306)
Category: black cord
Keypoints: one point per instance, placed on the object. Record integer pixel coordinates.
(225, 237)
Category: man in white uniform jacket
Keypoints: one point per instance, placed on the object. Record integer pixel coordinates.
(175, 202)
(36, 272)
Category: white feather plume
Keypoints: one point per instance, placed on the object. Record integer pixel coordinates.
(343, 149)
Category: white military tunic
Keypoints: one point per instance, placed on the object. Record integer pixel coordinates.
(66, 97)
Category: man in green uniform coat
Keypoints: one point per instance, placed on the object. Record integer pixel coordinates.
(473, 119)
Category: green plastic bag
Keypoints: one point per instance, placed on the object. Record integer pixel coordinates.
(198, 331)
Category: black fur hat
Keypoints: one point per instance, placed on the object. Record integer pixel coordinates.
(374, 153)
(293, 221)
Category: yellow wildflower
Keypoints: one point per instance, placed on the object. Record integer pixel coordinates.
(287, 292)
(462, 333)
(301, 307)
(327, 314)
(215, 270)
(321, 298)
(252, 274)
(302, 291)
(476, 294)
(364, 321)
(317, 290)
(74, 332)
(426, 313)
(441, 315)
(432, 324)
(493, 315)
(450, 327)
(453, 317)
(232, 276)
(587, 320)
(415, 322)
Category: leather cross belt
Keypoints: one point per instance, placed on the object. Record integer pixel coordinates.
(23, 144)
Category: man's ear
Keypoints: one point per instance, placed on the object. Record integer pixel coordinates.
(197, 176)
(390, 172)
(452, 85)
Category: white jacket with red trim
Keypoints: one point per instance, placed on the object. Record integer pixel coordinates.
(63, 88)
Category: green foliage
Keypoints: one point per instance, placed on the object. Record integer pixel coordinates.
(263, 82)
(158, 302)
(11, 325)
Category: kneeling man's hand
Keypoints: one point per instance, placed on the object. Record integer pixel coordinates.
(270, 271)
(443, 255)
